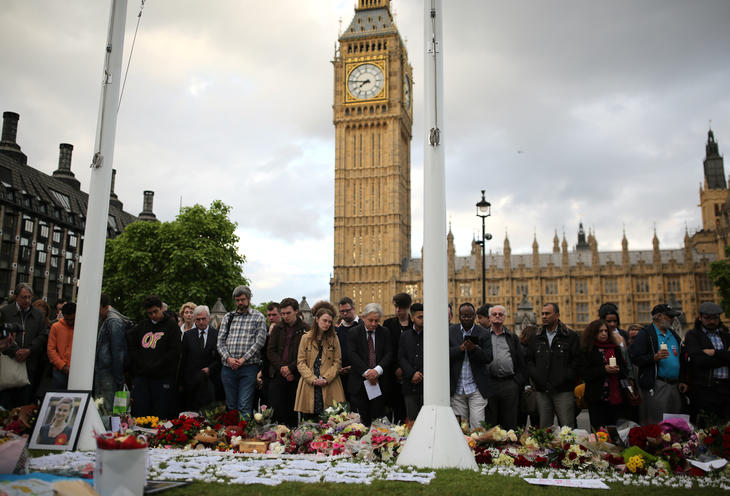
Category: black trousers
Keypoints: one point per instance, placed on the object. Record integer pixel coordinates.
(156, 397)
(503, 405)
(369, 410)
(282, 394)
(711, 402)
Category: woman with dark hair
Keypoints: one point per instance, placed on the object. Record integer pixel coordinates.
(528, 398)
(319, 362)
(602, 367)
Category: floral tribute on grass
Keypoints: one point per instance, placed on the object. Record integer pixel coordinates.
(243, 449)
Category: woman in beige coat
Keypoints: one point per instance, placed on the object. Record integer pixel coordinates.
(319, 362)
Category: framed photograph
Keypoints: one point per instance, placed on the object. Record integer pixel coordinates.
(59, 420)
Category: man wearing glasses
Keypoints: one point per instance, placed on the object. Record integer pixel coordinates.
(348, 320)
(507, 372)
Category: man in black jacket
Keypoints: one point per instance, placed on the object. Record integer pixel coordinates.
(200, 367)
(398, 325)
(281, 351)
(708, 347)
(29, 346)
(154, 349)
(470, 352)
(410, 360)
(507, 372)
(371, 357)
(552, 364)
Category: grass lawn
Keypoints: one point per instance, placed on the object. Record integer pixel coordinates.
(447, 482)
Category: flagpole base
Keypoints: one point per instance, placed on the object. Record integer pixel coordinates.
(436, 441)
(92, 422)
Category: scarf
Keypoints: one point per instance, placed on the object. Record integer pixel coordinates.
(611, 387)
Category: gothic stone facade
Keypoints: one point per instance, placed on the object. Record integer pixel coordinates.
(42, 221)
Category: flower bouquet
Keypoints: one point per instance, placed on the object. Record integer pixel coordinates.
(177, 433)
(121, 462)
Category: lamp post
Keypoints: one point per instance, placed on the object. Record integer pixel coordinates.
(484, 210)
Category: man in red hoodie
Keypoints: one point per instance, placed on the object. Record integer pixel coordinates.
(59, 346)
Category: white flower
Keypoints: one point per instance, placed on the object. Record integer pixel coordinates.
(258, 417)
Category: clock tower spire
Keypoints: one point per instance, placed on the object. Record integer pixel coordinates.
(373, 119)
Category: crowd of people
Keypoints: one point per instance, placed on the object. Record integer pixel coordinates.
(174, 362)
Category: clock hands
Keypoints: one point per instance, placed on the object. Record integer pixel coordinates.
(362, 82)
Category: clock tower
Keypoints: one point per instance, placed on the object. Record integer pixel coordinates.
(373, 116)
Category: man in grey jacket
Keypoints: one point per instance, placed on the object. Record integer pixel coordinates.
(111, 353)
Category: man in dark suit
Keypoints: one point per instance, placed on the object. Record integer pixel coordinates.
(371, 357)
(470, 352)
(29, 346)
(201, 364)
(349, 320)
(398, 325)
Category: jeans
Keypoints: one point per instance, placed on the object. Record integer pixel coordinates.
(469, 407)
(239, 386)
(59, 380)
(562, 404)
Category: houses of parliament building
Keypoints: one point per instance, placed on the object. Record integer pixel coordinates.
(372, 226)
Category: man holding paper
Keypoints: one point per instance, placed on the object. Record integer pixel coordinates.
(371, 354)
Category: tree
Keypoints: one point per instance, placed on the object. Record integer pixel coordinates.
(192, 258)
(720, 275)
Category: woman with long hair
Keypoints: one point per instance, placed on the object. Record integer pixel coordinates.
(602, 367)
(319, 362)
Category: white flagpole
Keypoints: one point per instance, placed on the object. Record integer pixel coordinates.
(81, 372)
(436, 440)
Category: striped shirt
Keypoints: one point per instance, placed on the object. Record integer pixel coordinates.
(717, 372)
(244, 339)
(465, 383)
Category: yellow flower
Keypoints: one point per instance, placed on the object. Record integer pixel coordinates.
(602, 436)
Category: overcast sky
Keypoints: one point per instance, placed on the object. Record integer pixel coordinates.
(561, 110)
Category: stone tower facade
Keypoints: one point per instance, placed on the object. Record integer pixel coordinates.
(713, 196)
(373, 119)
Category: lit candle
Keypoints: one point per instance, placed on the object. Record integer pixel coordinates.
(663, 346)
(612, 361)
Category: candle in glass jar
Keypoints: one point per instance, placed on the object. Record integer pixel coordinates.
(612, 361)
(663, 346)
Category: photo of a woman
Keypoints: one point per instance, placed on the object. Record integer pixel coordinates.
(58, 428)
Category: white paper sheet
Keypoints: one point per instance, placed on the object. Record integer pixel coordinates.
(581, 483)
(373, 390)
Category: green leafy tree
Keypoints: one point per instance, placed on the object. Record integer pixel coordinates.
(720, 276)
(192, 258)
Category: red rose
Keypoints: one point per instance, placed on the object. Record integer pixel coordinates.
(572, 455)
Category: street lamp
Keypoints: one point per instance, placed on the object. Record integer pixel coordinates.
(484, 210)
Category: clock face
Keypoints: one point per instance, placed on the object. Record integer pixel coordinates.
(365, 81)
(407, 91)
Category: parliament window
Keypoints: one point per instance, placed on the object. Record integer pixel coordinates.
(643, 309)
(465, 290)
(493, 289)
(521, 288)
(551, 287)
(674, 285)
(581, 312)
(642, 285)
(581, 286)
(611, 286)
(703, 283)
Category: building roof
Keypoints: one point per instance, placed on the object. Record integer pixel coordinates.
(368, 23)
(469, 262)
(45, 196)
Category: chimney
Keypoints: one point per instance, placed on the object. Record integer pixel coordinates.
(8, 144)
(113, 198)
(63, 173)
(147, 213)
